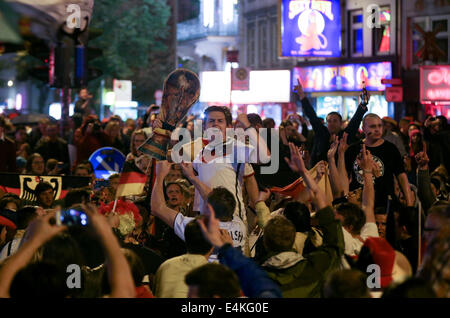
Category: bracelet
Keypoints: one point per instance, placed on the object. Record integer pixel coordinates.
(367, 171)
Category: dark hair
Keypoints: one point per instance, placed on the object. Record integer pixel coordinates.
(268, 122)
(299, 215)
(25, 215)
(353, 216)
(336, 114)
(195, 241)
(279, 235)
(77, 196)
(83, 166)
(41, 187)
(4, 202)
(380, 210)
(30, 161)
(2, 122)
(214, 280)
(347, 283)
(41, 280)
(413, 287)
(221, 109)
(62, 250)
(254, 119)
(223, 203)
(136, 265)
(286, 123)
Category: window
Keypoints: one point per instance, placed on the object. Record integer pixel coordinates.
(356, 34)
(251, 44)
(263, 44)
(442, 38)
(381, 37)
(274, 41)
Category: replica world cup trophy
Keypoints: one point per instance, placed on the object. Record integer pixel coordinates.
(181, 90)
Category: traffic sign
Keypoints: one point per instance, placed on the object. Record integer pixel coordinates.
(106, 161)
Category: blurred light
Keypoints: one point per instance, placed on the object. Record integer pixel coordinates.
(252, 109)
(54, 110)
(208, 13)
(121, 103)
(110, 98)
(227, 12)
(10, 103)
(10, 83)
(83, 222)
(19, 101)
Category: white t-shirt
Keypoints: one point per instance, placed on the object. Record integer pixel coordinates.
(353, 245)
(221, 172)
(235, 228)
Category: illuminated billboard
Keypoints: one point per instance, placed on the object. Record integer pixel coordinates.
(347, 77)
(310, 28)
(435, 84)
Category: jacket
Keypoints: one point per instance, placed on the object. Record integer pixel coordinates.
(254, 281)
(303, 277)
(322, 135)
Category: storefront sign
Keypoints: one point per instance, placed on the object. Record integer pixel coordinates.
(435, 84)
(394, 94)
(348, 77)
(310, 28)
(240, 79)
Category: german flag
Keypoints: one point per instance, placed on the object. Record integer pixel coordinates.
(132, 180)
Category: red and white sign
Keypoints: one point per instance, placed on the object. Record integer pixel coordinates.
(393, 81)
(394, 94)
(122, 89)
(240, 79)
(435, 84)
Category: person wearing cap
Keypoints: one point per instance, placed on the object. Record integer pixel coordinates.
(389, 125)
(393, 266)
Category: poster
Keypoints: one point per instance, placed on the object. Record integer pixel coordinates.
(310, 28)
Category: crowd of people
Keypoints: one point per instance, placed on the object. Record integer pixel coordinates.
(356, 209)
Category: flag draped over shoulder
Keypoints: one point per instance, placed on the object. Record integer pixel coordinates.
(297, 187)
(24, 185)
(132, 180)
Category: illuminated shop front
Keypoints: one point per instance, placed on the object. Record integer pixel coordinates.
(337, 87)
(268, 95)
(435, 89)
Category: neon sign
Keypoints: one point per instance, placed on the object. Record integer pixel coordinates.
(435, 84)
(310, 28)
(347, 77)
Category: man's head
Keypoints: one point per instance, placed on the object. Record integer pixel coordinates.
(438, 217)
(21, 134)
(174, 194)
(195, 241)
(45, 194)
(83, 93)
(435, 125)
(381, 220)
(52, 131)
(334, 123)
(351, 216)
(218, 117)
(299, 215)
(279, 235)
(114, 182)
(223, 203)
(82, 170)
(255, 121)
(77, 196)
(389, 124)
(269, 123)
(212, 281)
(288, 127)
(347, 283)
(372, 127)
(403, 124)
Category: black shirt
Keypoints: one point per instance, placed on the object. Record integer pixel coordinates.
(388, 159)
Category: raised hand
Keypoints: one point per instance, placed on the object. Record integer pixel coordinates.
(264, 195)
(243, 120)
(210, 228)
(333, 148)
(163, 168)
(320, 170)
(365, 160)
(343, 146)
(296, 162)
(299, 89)
(188, 170)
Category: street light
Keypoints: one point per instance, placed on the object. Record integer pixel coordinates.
(10, 83)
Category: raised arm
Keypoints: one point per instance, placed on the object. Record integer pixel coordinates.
(159, 207)
(343, 176)
(202, 188)
(335, 182)
(308, 110)
(424, 190)
(353, 125)
(259, 145)
(365, 161)
(38, 232)
(297, 164)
